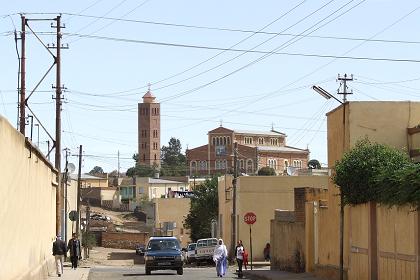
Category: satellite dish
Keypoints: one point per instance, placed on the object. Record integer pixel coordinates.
(71, 167)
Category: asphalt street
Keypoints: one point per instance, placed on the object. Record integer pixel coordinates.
(137, 272)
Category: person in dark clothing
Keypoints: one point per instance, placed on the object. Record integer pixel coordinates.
(75, 251)
(59, 251)
(266, 252)
(239, 255)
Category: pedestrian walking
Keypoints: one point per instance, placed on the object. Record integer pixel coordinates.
(59, 250)
(220, 258)
(266, 252)
(75, 251)
(239, 254)
(245, 254)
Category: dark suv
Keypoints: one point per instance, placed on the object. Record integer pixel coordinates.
(163, 253)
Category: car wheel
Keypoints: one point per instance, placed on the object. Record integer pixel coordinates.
(180, 271)
(148, 271)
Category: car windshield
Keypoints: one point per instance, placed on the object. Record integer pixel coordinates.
(156, 245)
(191, 247)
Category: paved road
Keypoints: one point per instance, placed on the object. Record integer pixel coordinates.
(137, 272)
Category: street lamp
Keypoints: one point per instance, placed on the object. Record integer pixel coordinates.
(328, 95)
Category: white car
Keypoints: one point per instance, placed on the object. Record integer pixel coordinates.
(190, 256)
(204, 249)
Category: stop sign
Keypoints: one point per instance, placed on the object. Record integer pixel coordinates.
(250, 218)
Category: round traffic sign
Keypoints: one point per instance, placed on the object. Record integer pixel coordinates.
(250, 218)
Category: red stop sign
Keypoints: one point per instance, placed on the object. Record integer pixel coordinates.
(250, 218)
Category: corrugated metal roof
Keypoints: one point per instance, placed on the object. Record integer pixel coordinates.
(162, 181)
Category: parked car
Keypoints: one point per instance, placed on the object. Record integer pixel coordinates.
(204, 249)
(190, 256)
(163, 253)
(140, 248)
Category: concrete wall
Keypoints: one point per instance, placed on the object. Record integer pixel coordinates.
(71, 205)
(346, 125)
(123, 240)
(27, 216)
(261, 195)
(173, 210)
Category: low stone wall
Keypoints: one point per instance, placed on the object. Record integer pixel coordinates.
(123, 240)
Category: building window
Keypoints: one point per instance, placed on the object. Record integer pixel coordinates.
(241, 164)
(228, 140)
(155, 157)
(297, 163)
(249, 166)
(221, 150)
(274, 142)
(155, 146)
(144, 157)
(272, 163)
(261, 141)
(286, 164)
(248, 140)
(203, 165)
(220, 164)
(214, 141)
(193, 166)
(155, 133)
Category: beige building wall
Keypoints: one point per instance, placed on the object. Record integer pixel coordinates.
(261, 195)
(173, 210)
(71, 205)
(91, 183)
(27, 216)
(383, 122)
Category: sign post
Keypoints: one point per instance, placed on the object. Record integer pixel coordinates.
(250, 218)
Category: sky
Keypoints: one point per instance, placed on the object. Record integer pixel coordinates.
(248, 65)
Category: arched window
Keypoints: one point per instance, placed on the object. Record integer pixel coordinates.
(213, 139)
(261, 141)
(224, 140)
(228, 140)
(217, 141)
(155, 157)
(193, 166)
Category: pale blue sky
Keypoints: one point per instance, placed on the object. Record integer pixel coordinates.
(106, 78)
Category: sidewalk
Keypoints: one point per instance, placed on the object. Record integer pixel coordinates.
(267, 274)
(81, 273)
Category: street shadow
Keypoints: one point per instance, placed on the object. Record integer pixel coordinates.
(126, 256)
(144, 275)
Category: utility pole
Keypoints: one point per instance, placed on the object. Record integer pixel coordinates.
(235, 175)
(58, 104)
(343, 81)
(79, 182)
(22, 77)
(118, 175)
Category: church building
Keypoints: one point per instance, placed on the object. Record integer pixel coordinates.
(255, 149)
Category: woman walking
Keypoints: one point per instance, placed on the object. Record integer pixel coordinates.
(220, 258)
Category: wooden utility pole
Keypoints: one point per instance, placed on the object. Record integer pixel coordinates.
(58, 126)
(22, 77)
(79, 182)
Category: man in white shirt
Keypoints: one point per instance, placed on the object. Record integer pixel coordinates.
(239, 254)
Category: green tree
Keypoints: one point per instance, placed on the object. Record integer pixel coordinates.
(96, 170)
(204, 209)
(266, 171)
(173, 161)
(357, 172)
(314, 164)
(141, 170)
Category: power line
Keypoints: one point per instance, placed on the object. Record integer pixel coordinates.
(237, 50)
(244, 30)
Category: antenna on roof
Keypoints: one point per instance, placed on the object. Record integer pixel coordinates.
(221, 123)
(272, 126)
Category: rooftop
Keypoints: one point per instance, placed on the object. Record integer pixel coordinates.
(254, 132)
(281, 149)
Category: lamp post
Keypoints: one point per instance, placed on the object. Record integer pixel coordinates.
(328, 95)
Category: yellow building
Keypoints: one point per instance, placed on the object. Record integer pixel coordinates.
(260, 195)
(90, 181)
(379, 243)
(170, 214)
